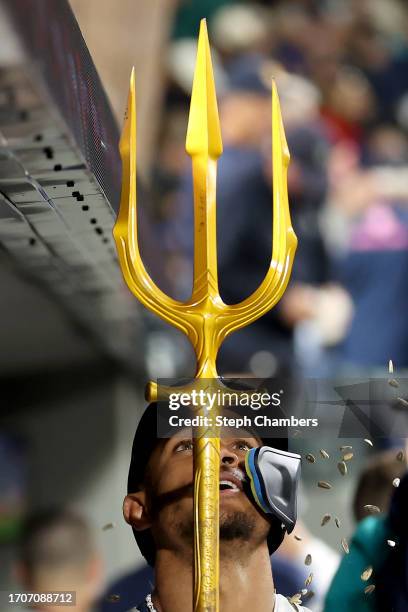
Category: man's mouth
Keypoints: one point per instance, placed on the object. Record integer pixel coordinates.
(231, 481)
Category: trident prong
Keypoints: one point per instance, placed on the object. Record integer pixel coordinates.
(204, 145)
(204, 318)
(125, 230)
(284, 241)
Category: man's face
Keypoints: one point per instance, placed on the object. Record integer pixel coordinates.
(169, 491)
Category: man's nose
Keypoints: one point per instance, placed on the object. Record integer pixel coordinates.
(228, 457)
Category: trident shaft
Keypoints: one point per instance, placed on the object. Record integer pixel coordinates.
(204, 318)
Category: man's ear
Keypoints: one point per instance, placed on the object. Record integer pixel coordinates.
(135, 511)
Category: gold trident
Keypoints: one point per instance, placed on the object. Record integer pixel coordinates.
(204, 318)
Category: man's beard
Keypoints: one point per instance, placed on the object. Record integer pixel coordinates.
(234, 525)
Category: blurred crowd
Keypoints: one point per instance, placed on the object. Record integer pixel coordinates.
(341, 68)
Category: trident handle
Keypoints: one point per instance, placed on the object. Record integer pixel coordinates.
(204, 318)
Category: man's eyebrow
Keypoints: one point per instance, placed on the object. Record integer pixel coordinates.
(183, 434)
(250, 439)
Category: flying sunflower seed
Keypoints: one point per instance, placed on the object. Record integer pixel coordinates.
(295, 599)
(346, 448)
(402, 402)
(108, 526)
(113, 598)
(325, 519)
(391, 543)
(366, 575)
(369, 589)
(309, 579)
(396, 483)
(337, 522)
(342, 467)
(345, 546)
(393, 383)
(367, 441)
(298, 538)
(401, 456)
(390, 367)
(324, 454)
(308, 560)
(311, 458)
(348, 456)
(324, 485)
(371, 509)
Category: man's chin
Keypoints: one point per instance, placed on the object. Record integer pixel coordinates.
(236, 524)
